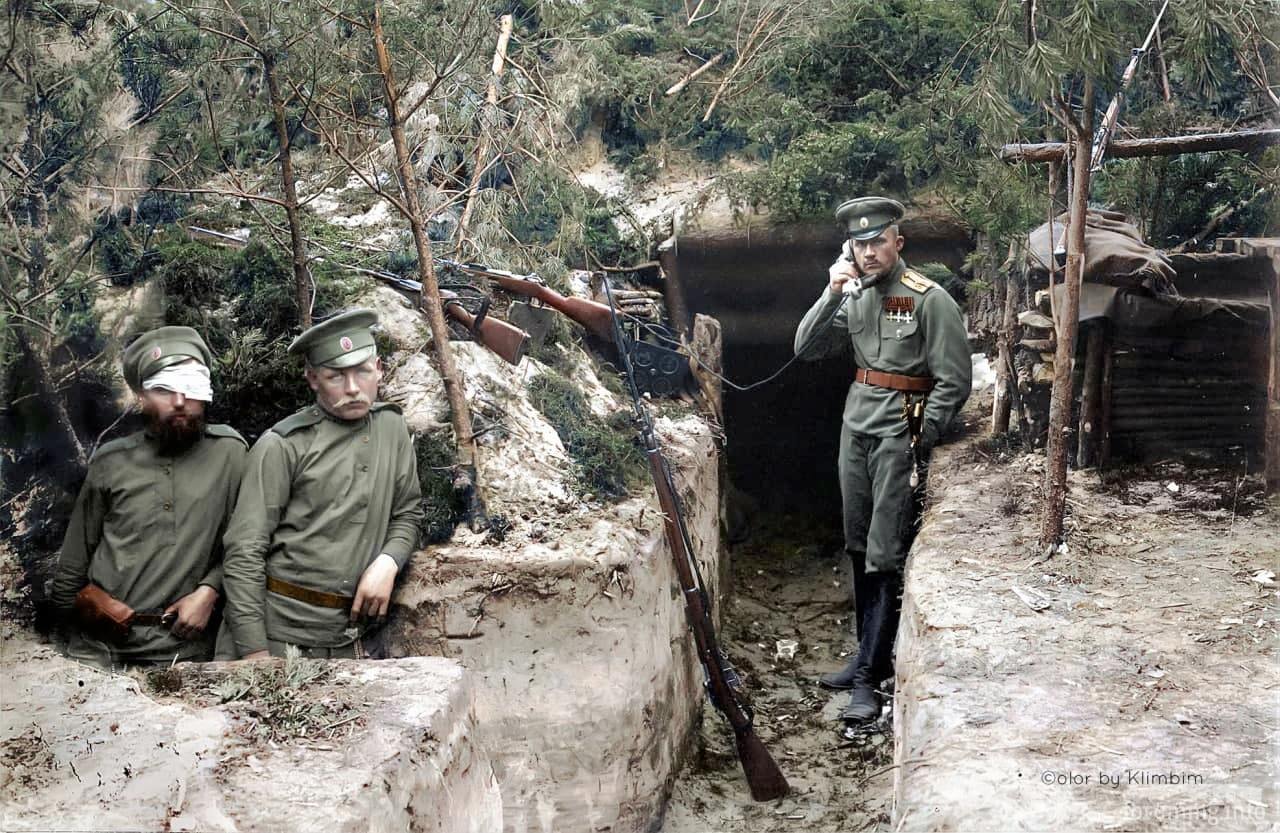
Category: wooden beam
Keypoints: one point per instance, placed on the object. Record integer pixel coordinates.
(1162, 146)
(1091, 394)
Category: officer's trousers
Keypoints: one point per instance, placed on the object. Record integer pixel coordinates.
(879, 516)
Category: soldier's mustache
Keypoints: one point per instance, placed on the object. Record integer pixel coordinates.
(358, 399)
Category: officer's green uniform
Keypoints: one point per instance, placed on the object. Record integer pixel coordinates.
(906, 325)
(147, 527)
(321, 499)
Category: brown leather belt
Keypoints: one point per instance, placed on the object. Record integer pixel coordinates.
(319, 598)
(893, 381)
(150, 619)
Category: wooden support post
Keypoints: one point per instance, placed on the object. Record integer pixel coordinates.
(1271, 441)
(673, 287)
(1104, 404)
(1006, 378)
(1091, 396)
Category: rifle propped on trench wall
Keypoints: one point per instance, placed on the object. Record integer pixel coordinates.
(507, 340)
(593, 315)
(763, 775)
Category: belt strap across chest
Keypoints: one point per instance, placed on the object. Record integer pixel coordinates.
(319, 598)
(894, 381)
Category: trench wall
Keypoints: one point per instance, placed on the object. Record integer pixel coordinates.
(587, 686)
(1127, 684)
(85, 750)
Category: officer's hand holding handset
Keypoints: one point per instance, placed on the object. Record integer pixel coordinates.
(844, 276)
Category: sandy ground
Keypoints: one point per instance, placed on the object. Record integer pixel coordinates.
(790, 582)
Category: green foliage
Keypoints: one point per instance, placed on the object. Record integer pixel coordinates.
(822, 168)
(605, 455)
(443, 508)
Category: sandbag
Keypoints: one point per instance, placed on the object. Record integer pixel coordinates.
(1115, 253)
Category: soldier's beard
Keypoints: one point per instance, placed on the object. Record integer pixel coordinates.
(174, 435)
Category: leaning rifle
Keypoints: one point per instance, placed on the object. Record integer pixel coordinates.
(505, 339)
(763, 775)
(593, 315)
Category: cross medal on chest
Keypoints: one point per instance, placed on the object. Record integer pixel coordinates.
(900, 309)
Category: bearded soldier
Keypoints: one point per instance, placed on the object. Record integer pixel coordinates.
(912, 375)
(330, 507)
(141, 564)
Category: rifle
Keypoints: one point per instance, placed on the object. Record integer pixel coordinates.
(1102, 137)
(763, 775)
(596, 317)
(508, 341)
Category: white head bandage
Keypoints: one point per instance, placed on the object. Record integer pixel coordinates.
(189, 378)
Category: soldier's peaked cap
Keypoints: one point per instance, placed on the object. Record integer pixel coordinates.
(341, 341)
(866, 217)
(155, 350)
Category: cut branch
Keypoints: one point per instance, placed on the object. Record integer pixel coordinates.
(1159, 146)
(693, 76)
(491, 99)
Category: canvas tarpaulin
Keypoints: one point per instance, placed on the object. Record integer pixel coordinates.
(1114, 252)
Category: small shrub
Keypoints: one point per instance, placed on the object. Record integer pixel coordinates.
(606, 458)
(443, 508)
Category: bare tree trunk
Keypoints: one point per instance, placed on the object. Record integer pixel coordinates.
(298, 243)
(459, 411)
(491, 104)
(1055, 487)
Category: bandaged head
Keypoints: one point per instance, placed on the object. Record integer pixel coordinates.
(163, 359)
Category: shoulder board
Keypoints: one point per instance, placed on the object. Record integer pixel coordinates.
(916, 281)
(120, 444)
(305, 418)
(387, 406)
(225, 431)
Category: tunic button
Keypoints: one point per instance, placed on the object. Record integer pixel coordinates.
(365, 438)
(168, 506)
(364, 468)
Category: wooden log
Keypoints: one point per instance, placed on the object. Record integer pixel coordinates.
(1105, 405)
(1160, 146)
(1090, 396)
(677, 308)
(706, 347)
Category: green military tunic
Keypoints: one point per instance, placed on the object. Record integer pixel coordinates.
(908, 325)
(320, 500)
(148, 528)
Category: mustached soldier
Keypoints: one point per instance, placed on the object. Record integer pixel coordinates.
(147, 526)
(909, 344)
(330, 507)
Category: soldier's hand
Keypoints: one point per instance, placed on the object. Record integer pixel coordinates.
(191, 613)
(373, 594)
(842, 271)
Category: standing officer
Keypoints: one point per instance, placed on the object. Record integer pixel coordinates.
(910, 347)
(329, 509)
(147, 527)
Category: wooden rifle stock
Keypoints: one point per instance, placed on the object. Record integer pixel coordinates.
(764, 777)
(507, 340)
(590, 314)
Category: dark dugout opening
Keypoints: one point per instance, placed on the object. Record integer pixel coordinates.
(782, 437)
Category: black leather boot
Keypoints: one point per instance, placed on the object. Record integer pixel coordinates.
(864, 704)
(843, 679)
